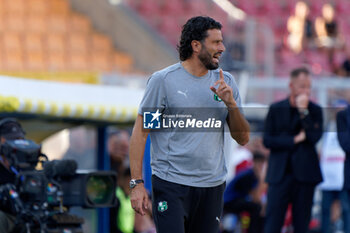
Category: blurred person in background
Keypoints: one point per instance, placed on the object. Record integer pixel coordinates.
(118, 149)
(122, 217)
(332, 167)
(326, 27)
(10, 129)
(188, 169)
(82, 148)
(299, 27)
(243, 157)
(293, 126)
(343, 132)
(244, 194)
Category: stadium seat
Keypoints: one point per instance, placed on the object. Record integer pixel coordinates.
(100, 43)
(101, 61)
(13, 61)
(38, 7)
(37, 23)
(12, 42)
(35, 61)
(58, 23)
(15, 7)
(59, 7)
(14, 22)
(77, 62)
(122, 62)
(56, 61)
(78, 43)
(79, 23)
(55, 43)
(33, 42)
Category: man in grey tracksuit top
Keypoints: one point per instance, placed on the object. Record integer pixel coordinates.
(188, 166)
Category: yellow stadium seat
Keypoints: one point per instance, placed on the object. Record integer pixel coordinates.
(33, 42)
(37, 23)
(35, 61)
(12, 41)
(56, 61)
(101, 43)
(79, 23)
(78, 43)
(55, 43)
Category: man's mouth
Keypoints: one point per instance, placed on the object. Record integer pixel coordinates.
(216, 57)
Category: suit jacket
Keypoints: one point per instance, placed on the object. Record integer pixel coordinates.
(279, 138)
(343, 130)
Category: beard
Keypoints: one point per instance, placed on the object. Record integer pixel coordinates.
(207, 59)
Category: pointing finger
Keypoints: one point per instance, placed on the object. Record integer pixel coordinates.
(221, 75)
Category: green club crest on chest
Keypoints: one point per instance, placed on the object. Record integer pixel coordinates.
(217, 98)
(162, 206)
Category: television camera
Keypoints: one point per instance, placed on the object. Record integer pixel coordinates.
(44, 190)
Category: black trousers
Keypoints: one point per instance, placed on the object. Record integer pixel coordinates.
(184, 209)
(300, 195)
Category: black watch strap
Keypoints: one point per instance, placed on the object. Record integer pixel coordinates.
(134, 182)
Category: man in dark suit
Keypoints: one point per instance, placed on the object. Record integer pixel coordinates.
(343, 129)
(292, 128)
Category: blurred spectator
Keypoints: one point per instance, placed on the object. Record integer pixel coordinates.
(122, 217)
(326, 28)
(82, 148)
(299, 27)
(118, 149)
(244, 192)
(293, 126)
(343, 131)
(244, 156)
(344, 69)
(332, 167)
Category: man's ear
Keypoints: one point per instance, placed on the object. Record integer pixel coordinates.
(196, 46)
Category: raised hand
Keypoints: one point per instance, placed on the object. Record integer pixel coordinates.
(224, 91)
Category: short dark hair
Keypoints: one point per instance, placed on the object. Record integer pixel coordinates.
(297, 71)
(195, 29)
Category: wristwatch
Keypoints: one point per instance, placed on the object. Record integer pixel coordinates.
(134, 182)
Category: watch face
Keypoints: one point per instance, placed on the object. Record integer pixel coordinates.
(132, 184)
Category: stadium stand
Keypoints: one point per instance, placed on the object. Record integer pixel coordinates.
(42, 35)
(167, 16)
